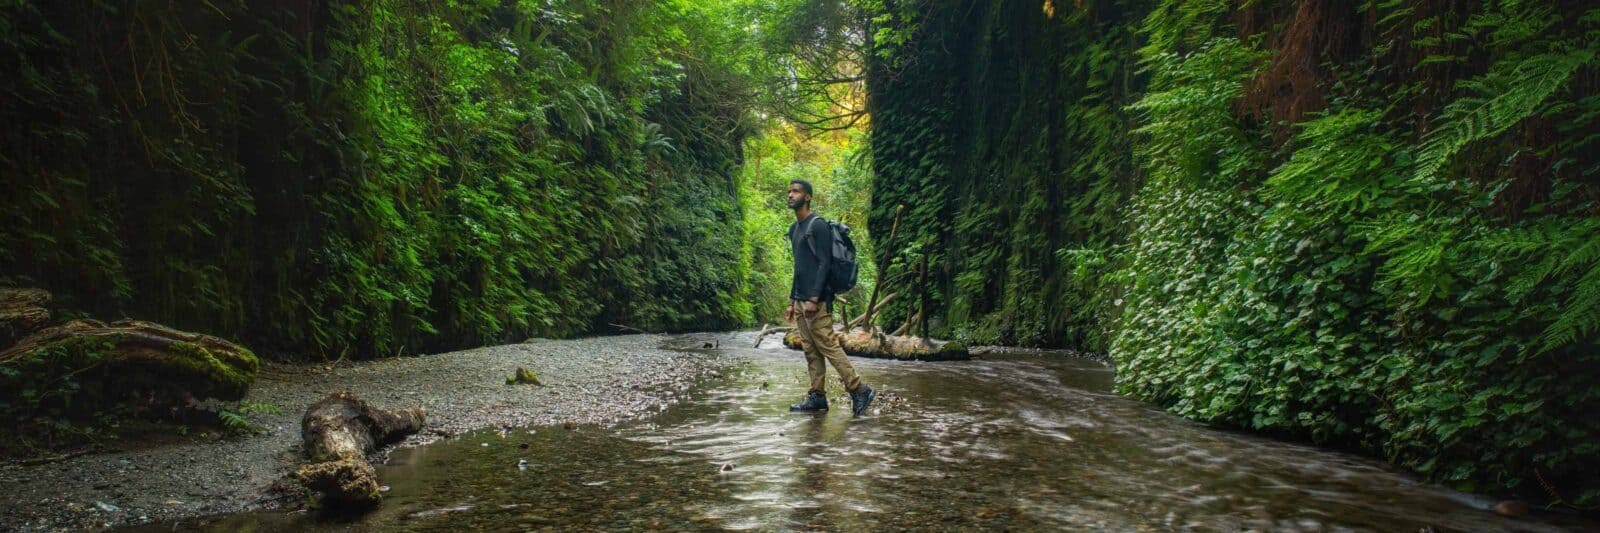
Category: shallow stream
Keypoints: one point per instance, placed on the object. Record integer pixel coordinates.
(1017, 441)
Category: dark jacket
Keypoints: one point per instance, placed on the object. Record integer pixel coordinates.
(811, 268)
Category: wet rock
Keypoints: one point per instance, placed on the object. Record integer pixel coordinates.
(337, 433)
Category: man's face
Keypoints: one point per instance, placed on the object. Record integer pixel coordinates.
(797, 196)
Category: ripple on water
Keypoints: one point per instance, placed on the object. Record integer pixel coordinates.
(1021, 442)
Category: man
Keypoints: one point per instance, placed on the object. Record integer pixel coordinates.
(811, 303)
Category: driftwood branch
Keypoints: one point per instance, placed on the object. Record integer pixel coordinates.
(766, 330)
(872, 303)
(922, 311)
(629, 328)
(906, 327)
(862, 319)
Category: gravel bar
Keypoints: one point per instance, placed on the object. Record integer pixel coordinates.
(597, 380)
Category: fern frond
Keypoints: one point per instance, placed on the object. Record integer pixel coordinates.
(1512, 90)
(237, 423)
(1581, 317)
(1586, 254)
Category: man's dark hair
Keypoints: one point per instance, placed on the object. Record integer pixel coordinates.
(804, 185)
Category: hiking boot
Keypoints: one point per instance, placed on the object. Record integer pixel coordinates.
(815, 402)
(861, 398)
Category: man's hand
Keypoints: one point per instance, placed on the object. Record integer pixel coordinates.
(788, 313)
(811, 308)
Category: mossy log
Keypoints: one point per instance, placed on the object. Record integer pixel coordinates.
(337, 433)
(879, 346)
(112, 361)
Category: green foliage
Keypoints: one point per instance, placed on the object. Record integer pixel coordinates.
(236, 423)
(378, 177)
(1380, 289)
(50, 383)
(1515, 87)
(1394, 249)
(1003, 132)
(834, 163)
(239, 419)
(56, 397)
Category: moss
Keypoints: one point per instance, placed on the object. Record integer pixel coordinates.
(523, 376)
(80, 376)
(212, 373)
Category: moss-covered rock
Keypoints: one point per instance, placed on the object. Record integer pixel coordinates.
(523, 376)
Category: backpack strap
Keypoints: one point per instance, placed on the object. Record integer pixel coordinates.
(810, 240)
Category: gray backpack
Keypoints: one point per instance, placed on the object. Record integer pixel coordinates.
(842, 275)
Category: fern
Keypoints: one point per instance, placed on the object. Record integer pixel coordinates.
(237, 424)
(1581, 317)
(1345, 163)
(1564, 252)
(1512, 90)
(259, 408)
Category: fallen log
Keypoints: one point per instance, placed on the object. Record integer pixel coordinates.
(337, 433)
(22, 312)
(879, 346)
(110, 362)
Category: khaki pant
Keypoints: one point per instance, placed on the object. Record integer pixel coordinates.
(819, 343)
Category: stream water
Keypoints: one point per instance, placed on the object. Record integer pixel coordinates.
(1022, 442)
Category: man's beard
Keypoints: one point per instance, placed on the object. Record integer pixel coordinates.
(796, 204)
